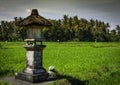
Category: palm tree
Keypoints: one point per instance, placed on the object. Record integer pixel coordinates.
(118, 29)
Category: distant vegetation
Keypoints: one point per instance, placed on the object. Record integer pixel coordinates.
(66, 29)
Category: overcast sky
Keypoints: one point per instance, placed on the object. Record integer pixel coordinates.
(104, 10)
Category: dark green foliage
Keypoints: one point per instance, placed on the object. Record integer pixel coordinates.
(66, 29)
(10, 31)
(72, 28)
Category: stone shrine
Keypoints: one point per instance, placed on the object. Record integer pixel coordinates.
(34, 71)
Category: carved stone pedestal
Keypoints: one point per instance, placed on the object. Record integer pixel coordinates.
(34, 72)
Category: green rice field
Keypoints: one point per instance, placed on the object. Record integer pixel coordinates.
(81, 63)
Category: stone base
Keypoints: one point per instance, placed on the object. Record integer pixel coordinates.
(34, 78)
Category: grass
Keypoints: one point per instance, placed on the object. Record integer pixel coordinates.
(2, 82)
(12, 58)
(61, 82)
(79, 62)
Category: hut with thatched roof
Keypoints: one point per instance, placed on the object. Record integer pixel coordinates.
(34, 25)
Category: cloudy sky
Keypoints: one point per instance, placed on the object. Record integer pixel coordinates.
(104, 10)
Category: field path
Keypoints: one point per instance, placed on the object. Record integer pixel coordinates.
(14, 81)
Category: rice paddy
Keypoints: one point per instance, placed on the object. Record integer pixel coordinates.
(88, 63)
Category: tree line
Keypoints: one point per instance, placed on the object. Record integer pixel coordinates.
(65, 29)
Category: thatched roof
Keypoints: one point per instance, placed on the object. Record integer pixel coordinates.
(35, 19)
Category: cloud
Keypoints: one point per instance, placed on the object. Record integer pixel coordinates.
(28, 10)
(102, 1)
(98, 9)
